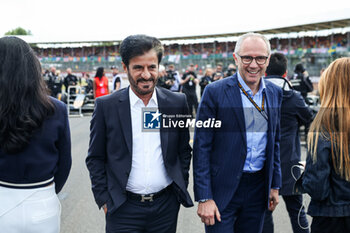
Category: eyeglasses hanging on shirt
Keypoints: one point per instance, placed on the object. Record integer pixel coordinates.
(262, 109)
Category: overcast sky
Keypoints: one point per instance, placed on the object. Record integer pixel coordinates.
(70, 20)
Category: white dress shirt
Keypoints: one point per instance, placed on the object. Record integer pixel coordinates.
(148, 174)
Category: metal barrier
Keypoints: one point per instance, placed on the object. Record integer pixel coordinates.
(76, 102)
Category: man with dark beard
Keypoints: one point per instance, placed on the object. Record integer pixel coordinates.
(139, 178)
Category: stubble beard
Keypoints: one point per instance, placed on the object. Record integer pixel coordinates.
(137, 89)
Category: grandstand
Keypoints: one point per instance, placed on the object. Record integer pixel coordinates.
(315, 45)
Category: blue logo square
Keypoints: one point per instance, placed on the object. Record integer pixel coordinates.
(151, 119)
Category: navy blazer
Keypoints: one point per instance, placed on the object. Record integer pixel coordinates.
(219, 155)
(110, 150)
(294, 113)
(47, 155)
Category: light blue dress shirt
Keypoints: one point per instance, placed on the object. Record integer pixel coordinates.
(256, 127)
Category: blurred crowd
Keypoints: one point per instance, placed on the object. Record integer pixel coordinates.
(336, 40)
(187, 81)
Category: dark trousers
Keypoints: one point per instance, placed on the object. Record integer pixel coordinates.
(192, 100)
(134, 216)
(293, 205)
(330, 225)
(245, 212)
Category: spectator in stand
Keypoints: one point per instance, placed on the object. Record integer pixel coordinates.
(70, 80)
(206, 79)
(327, 172)
(100, 83)
(294, 113)
(117, 80)
(189, 82)
(231, 69)
(35, 146)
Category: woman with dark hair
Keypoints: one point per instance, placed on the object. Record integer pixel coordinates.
(327, 173)
(35, 146)
(100, 83)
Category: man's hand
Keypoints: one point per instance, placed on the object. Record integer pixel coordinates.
(207, 211)
(273, 199)
(105, 208)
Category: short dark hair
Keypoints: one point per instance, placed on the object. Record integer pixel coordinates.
(137, 45)
(299, 68)
(278, 64)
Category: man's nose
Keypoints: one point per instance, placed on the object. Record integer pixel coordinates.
(146, 74)
(254, 64)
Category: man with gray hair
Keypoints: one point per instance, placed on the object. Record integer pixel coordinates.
(236, 168)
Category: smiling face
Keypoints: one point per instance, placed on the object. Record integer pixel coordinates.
(252, 73)
(142, 73)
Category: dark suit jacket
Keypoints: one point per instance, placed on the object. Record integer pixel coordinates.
(294, 113)
(219, 155)
(110, 150)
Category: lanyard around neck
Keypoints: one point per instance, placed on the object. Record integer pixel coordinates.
(262, 109)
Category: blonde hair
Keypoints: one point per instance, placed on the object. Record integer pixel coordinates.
(208, 72)
(333, 120)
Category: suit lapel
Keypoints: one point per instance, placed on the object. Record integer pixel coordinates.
(162, 104)
(235, 103)
(270, 107)
(125, 118)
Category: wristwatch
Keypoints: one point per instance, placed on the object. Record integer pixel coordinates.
(203, 200)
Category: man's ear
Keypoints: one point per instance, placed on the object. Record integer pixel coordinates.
(236, 59)
(125, 67)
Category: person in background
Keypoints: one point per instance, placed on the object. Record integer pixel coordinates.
(189, 81)
(163, 80)
(117, 80)
(327, 172)
(35, 146)
(100, 83)
(218, 69)
(294, 113)
(53, 82)
(231, 69)
(301, 81)
(70, 80)
(174, 76)
(218, 76)
(206, 79)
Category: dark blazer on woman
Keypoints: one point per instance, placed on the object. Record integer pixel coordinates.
(47, 155)
(330, 194)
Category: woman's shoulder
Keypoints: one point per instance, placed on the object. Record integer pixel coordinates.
(60, 107)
